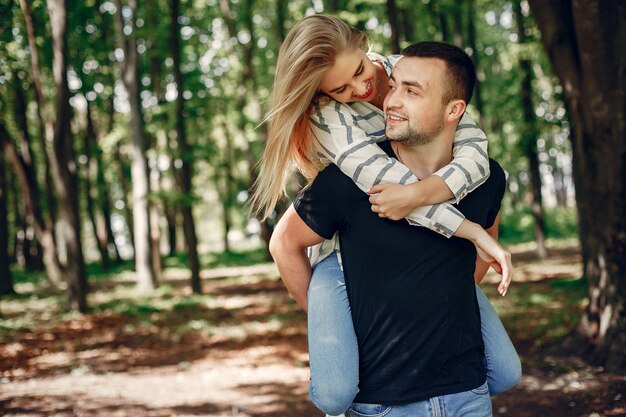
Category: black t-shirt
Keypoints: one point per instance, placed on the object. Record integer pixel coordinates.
(411, 290)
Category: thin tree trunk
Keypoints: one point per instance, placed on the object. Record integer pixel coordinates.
(65, 175)
(408, 24)
(392, 15)
(123, 174)
(457, 16)
(228, 179)
(480, 74)
(530, 133)
(6, 279)
(170, 215)
(247, 79)
(186, 169)
(99, 232)
(156, 261)
(104, 198)
(585, 41)
(30, 195)
(46, 128)
(139, 168)
(281, 16)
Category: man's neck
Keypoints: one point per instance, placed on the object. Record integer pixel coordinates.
(425, 160)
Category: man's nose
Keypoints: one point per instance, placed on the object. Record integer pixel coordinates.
(391, 100)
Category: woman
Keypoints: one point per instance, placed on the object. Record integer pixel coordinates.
(322, 66)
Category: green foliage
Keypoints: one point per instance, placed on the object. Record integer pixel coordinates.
(517, 226)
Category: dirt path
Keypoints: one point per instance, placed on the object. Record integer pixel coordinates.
(253, 362)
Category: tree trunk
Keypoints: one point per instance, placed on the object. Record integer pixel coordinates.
(228, 178)
(64, 172)
(281, 16)
(477, 100)
(392, 15)
(529, 136)
(585, 41)
(6, 279)
(123, 173)
(32, 207)
(457, 16)
(186, 156)
(139, 167)
(247, 79)
(99, 232)
(46, 128)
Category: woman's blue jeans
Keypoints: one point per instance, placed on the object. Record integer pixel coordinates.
(334, 353)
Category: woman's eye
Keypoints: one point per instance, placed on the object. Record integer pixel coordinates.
(340, 91)
(359, 72)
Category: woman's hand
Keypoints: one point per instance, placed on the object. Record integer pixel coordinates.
(489, 250)
(394, 201)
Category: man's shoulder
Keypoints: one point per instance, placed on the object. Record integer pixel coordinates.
(497, 174)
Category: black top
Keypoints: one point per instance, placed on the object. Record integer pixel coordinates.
(411, 290)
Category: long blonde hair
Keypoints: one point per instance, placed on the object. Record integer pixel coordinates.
(308, 51)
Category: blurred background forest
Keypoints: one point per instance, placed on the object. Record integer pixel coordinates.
(130, 133)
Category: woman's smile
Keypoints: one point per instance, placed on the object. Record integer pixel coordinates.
(368, 91)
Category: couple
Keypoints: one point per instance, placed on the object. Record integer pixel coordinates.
(405, 332)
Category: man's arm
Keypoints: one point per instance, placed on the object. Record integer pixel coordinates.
(288, 246)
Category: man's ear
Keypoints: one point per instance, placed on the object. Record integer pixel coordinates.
(454, 110)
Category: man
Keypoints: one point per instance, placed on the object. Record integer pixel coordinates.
(411, 291)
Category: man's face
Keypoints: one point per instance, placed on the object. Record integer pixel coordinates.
(414, 110)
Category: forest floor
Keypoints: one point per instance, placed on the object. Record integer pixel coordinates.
(240, 350)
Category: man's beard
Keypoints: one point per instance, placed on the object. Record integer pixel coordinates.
(411, 137)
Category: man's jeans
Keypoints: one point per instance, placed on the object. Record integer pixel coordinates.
(472, 403)
(334, 354)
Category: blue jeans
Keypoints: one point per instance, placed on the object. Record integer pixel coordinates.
(334, 353)
(472, 403)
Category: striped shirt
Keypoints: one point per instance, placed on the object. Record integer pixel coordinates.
(347, 134)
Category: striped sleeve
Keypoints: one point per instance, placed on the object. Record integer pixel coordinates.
(470, 166)
(356, 154)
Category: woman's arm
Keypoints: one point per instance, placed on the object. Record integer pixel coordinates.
(468, 170)
(489, 252)
(348, 139)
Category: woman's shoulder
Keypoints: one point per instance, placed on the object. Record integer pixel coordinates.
(328, 108)
(388, 62)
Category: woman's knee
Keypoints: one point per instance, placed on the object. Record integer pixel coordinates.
(333, 400)
(505, 376)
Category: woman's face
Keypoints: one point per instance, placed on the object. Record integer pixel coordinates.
(353, 77)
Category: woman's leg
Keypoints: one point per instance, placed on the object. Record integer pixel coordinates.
(504, 369)
(333, 349)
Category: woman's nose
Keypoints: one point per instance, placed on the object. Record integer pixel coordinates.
(359, 88)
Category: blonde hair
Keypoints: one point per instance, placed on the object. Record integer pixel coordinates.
(308, 51)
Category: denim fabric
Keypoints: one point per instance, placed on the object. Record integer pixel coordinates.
(334, 353)
(333, 349)
(472, 403)
(504, 369)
